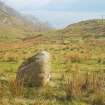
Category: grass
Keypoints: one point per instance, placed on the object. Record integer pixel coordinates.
(89, 29)
(65, 59)
(72, 58)
(16, 88)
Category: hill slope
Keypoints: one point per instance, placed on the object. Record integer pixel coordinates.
(84, 29)
(88, 28)
(15, 25)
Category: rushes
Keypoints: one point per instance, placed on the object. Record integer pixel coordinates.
(84, 85)
(1, 92)
(16, 88)
(68, 89)
(41, 102)
(73, 86)
(97, 98)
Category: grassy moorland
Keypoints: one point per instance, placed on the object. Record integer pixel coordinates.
(78, 67)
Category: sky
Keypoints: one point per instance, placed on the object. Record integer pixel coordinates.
(60, 13)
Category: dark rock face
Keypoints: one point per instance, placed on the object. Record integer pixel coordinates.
(35, 71)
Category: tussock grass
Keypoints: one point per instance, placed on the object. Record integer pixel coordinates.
(73, 79)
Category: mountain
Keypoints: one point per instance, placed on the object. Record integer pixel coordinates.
(15, 25)
(88, 28)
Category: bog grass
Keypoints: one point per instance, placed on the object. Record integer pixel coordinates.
(73, 81)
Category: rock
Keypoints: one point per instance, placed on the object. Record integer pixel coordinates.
(35, 71)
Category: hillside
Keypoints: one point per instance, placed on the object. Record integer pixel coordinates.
(77, 67)
(88, 28)
(77, 71)
(74, 32)
(14, 25)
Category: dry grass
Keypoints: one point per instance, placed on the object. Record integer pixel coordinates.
(98, 98)
(40, 102)
(79, 85)
(1, 92)
(83, 84)
(16, 88)
(77, 56)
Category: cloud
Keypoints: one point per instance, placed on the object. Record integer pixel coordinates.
(65, 1)
(27, 4)
(61, 19)
(24, 5)
(58, 5)
(77, 5)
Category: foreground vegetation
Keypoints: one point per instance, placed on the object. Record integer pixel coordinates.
(78, 71)
(78, 65)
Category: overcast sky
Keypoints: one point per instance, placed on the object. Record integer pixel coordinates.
(60, 13)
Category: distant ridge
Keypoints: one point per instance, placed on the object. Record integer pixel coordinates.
(88, 28)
